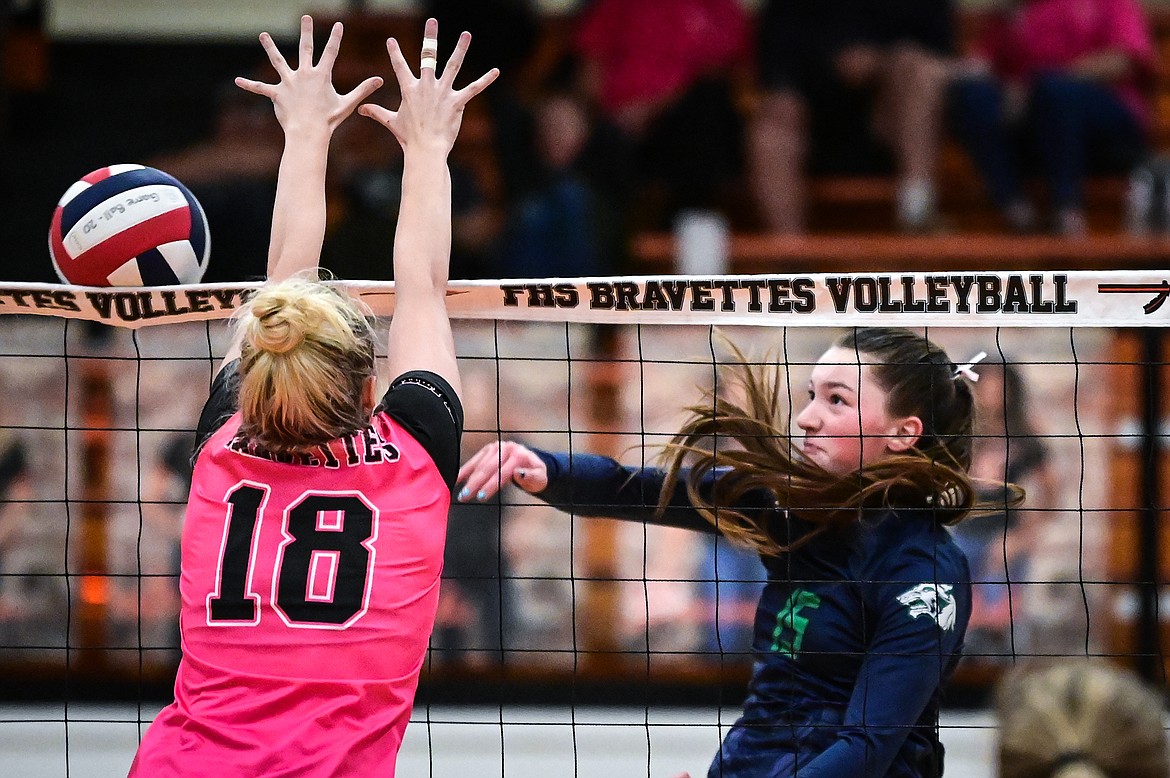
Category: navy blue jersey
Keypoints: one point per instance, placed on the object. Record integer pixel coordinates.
(855, 633)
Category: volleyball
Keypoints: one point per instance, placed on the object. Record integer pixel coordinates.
(129, 225)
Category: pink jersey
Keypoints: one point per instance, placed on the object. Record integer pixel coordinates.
(1054, 34)
(309, 591)
(654, 49)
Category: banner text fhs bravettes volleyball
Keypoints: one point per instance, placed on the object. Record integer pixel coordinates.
(1114, 298)
(958, 293)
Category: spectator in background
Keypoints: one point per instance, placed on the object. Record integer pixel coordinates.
(1008, 449)
(1061, 81)
(728, 578)
(506, 35)
(164, 492)
(15, 488)
(730, 581)
(366, 189)
(33, 590)
(556, 229)
(661, 71)
(476, 612)
(490, 163)
(1079, 719)
(843, 82)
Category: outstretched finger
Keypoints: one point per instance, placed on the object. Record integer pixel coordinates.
(256, 87)
(398, 62)
(451, 70)
(306, 49)
(359, 93)
(274, 55)
(332, 46)
(430, 48)
(482, 483)
(478, 85)
(382, 116)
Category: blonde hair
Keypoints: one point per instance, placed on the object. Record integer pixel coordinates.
(1079, 719)
(306, 352)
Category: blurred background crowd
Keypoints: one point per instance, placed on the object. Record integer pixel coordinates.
(613, 119)
(617, 118)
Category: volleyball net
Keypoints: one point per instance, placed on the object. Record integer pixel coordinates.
(101, 389)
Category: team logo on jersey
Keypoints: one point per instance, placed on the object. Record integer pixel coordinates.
(933, 600)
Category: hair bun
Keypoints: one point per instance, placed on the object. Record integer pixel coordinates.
(279, 324)
(306, 354)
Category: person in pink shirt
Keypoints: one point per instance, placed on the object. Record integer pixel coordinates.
(315, 526)
(1060, 82)
(660, 70)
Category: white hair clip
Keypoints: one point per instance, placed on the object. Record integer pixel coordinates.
(967, 370)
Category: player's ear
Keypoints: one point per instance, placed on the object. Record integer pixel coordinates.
(369, 394)
(905, 435)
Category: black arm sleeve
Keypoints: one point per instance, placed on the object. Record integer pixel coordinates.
(428, 408)
(222, 403)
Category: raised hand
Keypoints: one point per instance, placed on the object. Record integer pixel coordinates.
(499, 463)
(431, 109)
(305, 97)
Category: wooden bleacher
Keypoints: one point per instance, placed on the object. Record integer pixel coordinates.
(764, 253)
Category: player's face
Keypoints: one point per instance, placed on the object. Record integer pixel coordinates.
(845, 423)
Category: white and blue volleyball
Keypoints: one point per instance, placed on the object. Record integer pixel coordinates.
(129, 225)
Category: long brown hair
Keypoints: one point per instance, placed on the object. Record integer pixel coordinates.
(918, 379)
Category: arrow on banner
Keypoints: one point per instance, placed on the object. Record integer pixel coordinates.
(1160, 291)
